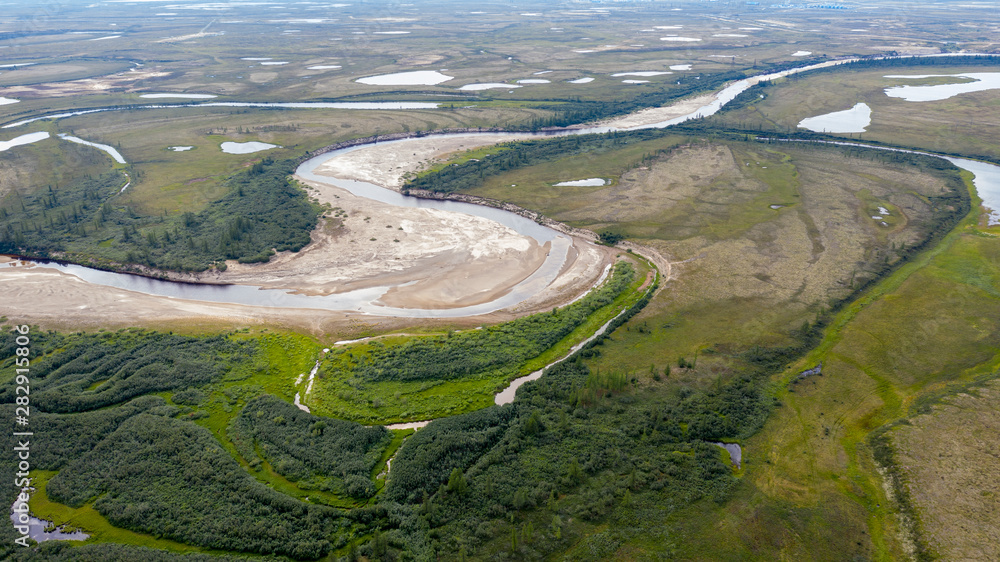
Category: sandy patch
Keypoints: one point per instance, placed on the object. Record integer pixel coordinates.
(85, 86)
(188, 37)
(658, 114)
(368, 164)
(417, 60)
(439, 259)
(60, 301)
(262, 77)
(434, 258)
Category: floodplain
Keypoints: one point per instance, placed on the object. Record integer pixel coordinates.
(831, 309)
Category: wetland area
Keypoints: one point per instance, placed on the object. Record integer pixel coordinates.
(534, 281)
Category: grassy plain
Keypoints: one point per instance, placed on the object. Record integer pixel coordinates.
(942, 454)
(963, 124)
(747, 273)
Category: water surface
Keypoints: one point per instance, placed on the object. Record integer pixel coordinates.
(854, 120)
(245, 147)
(22, 140)
(414, 78)
(981, 81)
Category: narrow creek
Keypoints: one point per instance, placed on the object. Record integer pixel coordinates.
(40, 530)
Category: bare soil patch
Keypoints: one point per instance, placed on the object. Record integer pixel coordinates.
(948, 457)
(387, 164)
(658, 114)
(85, 86)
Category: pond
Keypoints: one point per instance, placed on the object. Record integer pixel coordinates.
(20, 517)
(413, 78)
(981, 81)
(245, 147)
(589, 182)
(22, 140)
(735, 453)
(179, 96)
(109, 149)
(487, 86)
(854, 120)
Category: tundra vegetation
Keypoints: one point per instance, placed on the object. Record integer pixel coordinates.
(870, 271)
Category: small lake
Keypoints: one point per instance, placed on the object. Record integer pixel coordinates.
(22, 140)
(645, 73)
(487, 86)
(179, 96)
(854, 120)
(109, 149)
(735, 453)
(414, 78)
(245, 147)
(589, 182)
(982, 81)
(36, 526)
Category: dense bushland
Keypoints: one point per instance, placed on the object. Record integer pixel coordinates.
(171, 478)
(87, 222)
(95, 370)
(553, 456)
(321, 453)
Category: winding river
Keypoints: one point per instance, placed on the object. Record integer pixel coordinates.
(364, 300)
(987, 182)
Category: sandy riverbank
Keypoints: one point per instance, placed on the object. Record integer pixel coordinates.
(386, 164)
(652, 115)
(435, 258)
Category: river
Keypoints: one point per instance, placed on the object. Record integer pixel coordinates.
(363, 300)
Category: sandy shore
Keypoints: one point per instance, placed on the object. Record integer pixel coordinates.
(653, 115)
(386, 164)
(59, 301)
(437, 259)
